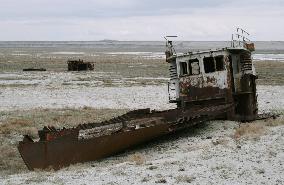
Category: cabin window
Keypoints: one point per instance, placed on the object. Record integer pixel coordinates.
(183, 68)
(219, 63)
(194, 67)
(209, 64)
(212, 64)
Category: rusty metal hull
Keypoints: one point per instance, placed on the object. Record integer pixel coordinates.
(79, 65)
(69, 148)
(62, 152)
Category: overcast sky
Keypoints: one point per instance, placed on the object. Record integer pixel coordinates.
(139, 19)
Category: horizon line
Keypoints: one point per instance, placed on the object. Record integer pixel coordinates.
(113, 40)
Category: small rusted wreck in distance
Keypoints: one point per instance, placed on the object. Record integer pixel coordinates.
(79, 65)
(205, 85)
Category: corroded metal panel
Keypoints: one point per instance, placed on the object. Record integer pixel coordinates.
(211, 85)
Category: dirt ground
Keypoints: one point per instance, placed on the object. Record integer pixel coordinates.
(270, 72)
(143, 70)
(218, 152)
(149, 164)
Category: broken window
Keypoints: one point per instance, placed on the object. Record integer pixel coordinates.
(194, 67)
(219, 63)
(212, 64)
(209, 64)
(183, 68)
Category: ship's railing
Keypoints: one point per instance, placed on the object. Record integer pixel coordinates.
(240, 40)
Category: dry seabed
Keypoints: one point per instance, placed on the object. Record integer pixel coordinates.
(213, 153)
(154, 97)
(218, 152)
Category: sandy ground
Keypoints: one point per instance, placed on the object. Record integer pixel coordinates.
(154, 97)
(206, 155)
(210, 154)
(218, 152)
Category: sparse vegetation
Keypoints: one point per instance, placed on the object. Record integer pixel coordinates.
(152, 167)
(249, 130)
(184, 179)
(137, 158)
(220, 141)
(256, 128)
(122, 70)
(275, 122)
(17, 123)
(162, 180)
(270, 72)
(122, 66)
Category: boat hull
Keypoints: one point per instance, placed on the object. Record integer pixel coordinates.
(65, 151)
(60, 148)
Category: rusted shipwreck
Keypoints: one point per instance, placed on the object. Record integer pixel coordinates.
(79, 65)
(205, 85)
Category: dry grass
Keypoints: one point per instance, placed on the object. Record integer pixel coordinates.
(19, 125)
(220, 141)
(37, 118)
(137, 158)
(257, 128)
(249, 130)
(119, 64)
(121, 70)
(184, 179)
(275, 122)
(126, 66)
(270, 72)
(37, 179)
(15, 124)
(10, 161)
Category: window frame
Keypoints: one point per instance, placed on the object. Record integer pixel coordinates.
(181, 68)
(190, 62)
(223, 62)
(213, 64)
(209, 62)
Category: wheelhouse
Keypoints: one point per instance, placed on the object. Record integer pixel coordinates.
(215, 76)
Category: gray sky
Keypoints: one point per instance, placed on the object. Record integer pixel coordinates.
(139, 19)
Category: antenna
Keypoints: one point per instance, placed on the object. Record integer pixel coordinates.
(169, 45)
(169, 36)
